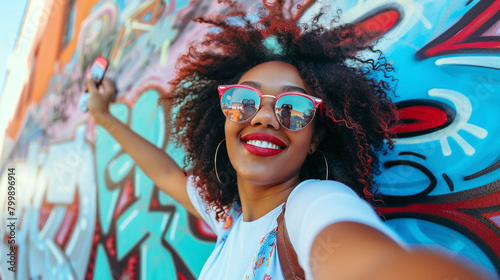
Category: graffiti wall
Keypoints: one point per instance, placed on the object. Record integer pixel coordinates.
(84, 210)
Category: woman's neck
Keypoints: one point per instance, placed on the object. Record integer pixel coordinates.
(258, 200)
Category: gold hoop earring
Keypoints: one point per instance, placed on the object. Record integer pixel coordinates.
(326, 163)
(215, 161)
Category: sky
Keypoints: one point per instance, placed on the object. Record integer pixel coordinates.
(11, 15)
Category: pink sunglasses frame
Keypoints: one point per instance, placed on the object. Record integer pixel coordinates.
(318, 102)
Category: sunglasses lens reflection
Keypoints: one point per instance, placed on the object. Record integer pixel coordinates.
(240, 104)
(294, 112)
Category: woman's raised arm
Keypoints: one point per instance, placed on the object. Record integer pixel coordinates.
(154, 162)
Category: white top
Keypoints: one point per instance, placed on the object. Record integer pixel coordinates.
(247, 250)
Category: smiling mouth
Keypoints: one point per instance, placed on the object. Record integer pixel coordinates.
(264, 144)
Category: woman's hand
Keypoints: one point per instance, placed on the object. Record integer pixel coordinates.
(100, 98)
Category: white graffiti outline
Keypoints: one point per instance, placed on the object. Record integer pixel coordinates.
(463, 109)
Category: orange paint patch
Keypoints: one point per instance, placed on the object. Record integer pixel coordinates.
(229, 222)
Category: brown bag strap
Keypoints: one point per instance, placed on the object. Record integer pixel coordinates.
(288, 258)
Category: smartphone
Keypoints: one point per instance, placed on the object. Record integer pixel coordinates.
(98, 70)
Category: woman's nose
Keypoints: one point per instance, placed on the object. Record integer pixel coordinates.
(265, 115)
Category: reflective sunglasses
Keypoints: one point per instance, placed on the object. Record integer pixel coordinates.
(294, 110)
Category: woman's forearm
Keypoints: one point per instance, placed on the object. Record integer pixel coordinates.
(422, 264)
(154, 162)
(362, 252)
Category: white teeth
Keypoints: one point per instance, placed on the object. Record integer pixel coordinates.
(263, 144)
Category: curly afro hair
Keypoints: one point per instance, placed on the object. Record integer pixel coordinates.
(357, 115)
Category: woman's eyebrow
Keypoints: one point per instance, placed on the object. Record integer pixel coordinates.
(253, 84)
(286, 88)
(293, 89)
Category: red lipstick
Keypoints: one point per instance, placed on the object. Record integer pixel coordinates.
(261, 151)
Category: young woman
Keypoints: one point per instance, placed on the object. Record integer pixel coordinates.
(273, 114)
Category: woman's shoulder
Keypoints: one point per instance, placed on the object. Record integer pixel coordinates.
(313, 188)
(311, 198)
